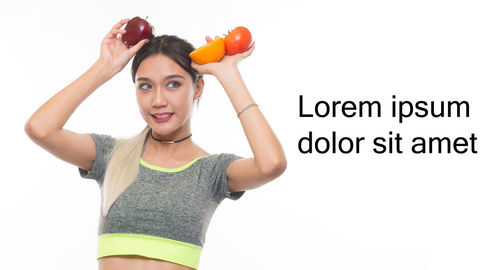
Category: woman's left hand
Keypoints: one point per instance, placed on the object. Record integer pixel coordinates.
(227, 61)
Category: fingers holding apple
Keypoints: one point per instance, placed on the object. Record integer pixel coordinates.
(120, 45)
(137, 29)
(114, 33)
(134, 49)
(122, 22)
(116, 29)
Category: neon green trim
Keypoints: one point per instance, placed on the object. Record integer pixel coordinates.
(157, 168)
(149, 246)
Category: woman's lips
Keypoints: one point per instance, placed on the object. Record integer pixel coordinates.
(163, 119)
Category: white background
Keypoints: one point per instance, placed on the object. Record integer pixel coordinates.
(327, 211)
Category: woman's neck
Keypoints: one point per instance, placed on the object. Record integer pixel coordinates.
(164, 149)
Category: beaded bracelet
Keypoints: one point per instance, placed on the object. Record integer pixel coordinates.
(253, 104)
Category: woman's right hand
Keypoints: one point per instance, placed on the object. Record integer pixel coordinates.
(114, 53)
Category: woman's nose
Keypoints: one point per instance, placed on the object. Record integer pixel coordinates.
(159, 99)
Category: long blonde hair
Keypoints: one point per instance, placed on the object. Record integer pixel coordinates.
(122, 169)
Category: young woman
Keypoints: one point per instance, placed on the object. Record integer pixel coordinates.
(159, 189)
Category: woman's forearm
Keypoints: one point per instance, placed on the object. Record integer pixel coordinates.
(54, 113)
(267, 150)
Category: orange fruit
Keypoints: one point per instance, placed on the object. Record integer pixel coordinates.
(213, 51)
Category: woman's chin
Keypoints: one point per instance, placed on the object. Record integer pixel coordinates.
(161, 131)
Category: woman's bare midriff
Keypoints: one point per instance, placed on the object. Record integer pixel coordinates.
(134, 262)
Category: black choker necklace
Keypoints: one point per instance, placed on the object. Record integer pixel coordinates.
(180, 140)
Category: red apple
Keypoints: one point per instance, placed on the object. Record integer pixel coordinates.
(137, 30)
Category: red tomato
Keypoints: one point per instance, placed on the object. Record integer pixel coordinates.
(238, 40)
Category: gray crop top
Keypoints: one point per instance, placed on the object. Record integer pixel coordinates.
(164, 214)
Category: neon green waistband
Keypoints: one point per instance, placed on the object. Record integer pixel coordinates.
(148, 246)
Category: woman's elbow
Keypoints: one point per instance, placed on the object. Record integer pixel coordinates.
(29, 129)
(33, 131)
(276, 168)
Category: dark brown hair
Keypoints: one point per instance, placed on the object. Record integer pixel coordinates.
(175, 48)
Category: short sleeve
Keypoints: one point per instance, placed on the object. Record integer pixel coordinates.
(103, 146)
(219, 174)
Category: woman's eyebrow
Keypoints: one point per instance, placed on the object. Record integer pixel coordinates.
(166, 77)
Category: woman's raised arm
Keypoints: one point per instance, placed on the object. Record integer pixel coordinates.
(269, 159)
(45, 126)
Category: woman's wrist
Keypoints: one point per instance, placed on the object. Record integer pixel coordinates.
(227, 74)
(102, 68)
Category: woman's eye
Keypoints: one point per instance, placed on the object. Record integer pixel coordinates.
(174, 84)
(140, 86)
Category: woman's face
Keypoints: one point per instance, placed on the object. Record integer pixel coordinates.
(165, 96)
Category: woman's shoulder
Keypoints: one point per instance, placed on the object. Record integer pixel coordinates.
(104, 140)
(219, 158)
(102, 135)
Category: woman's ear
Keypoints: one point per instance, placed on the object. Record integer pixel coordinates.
(200, 85)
